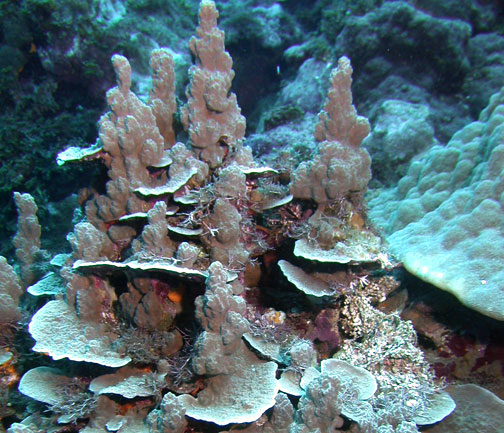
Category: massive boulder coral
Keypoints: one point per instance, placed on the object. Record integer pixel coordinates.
(401, 130)
(475, 406)
(434, 46)
(444, 219)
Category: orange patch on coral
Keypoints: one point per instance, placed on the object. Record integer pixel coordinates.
(176, 294)
(357, 221)
(8, 374)
(125, 408)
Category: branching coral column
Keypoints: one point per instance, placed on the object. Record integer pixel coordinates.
(341, 165)
(162, 96)
(27, 239)
(211, 116)
(132, 142)
(335, 179)
(232, 371)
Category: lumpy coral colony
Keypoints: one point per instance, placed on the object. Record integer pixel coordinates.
(208, 290)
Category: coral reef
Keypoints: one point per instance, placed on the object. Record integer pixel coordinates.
(205, 291)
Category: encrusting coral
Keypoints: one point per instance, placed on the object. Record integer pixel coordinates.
(156, 287)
